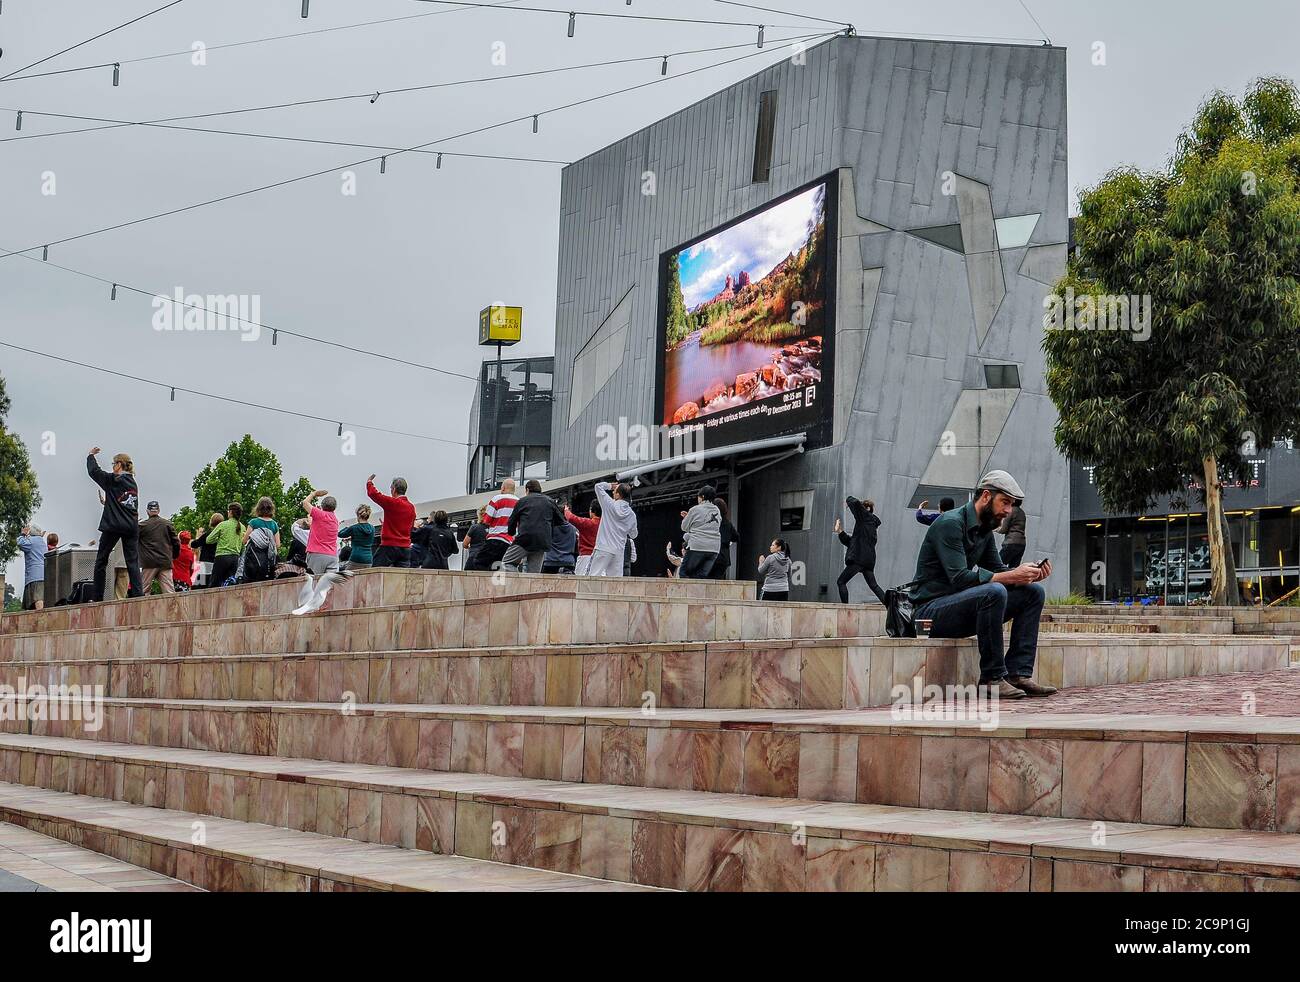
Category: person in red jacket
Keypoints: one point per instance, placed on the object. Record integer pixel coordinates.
(183, 565)
(395, 533)
(587, 529)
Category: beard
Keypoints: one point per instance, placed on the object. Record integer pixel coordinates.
(988, 521)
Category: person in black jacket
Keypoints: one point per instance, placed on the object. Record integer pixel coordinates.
(120, 521)
(722, 565)
(860, 554)
(531, 523)
(438, 540)
(420, 532)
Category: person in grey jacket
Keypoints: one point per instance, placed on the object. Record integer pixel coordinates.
(1013, 546)
(702, 530)
(774, 571)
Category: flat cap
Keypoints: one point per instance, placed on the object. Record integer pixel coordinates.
(1004, 482)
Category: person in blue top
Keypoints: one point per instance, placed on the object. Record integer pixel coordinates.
(32, 544)
(928, 517)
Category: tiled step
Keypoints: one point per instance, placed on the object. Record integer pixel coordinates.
(676, 839)
(368, 588)
(1056, 625)
(525, 619)
(1238, 772)
(824, 673)
(244, 857)
(1277, 621)
(1166, 624)
(31, 862)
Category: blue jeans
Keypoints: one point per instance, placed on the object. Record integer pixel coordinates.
(981, 611)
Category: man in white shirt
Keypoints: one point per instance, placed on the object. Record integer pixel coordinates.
(617, 527)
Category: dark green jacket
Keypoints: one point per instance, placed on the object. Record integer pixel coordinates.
(956, 555)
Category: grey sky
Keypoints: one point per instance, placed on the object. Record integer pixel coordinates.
(405, 264)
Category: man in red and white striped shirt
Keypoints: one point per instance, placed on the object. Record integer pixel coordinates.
(497, 514)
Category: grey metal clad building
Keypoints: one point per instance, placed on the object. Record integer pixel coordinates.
(947, 202)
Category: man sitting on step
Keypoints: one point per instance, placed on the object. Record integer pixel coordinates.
(962, 588)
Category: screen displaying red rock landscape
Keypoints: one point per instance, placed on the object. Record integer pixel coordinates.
(745, 318)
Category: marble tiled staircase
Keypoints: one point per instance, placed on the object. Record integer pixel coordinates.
(449, 731)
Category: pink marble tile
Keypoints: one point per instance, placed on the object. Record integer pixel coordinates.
(528, 680)
(828, 766)
(983, 872)
(954, 773)
(1025, 777)
(505, 749)
(771, 764)
(468, 746)
(658, 854)
(717, 761)
(434, 751)
(435, 824)
(682, 680)
(775, 679)
(669, 758)
(1163, 773)
(714, 859)
(1232, 785)
(1073, 877)
(622, 755)
(700, 622)
(607, 847)
(911, 869)
(1102, 780)
(727, 681)
(839, 866)
(774, 861)
(1288, 788)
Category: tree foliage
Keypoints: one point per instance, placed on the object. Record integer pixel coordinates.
(1214, 240)
(19, 497)
(246, 472)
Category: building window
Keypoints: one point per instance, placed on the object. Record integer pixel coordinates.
(764, 135)
(796, 511)
(1002, 376)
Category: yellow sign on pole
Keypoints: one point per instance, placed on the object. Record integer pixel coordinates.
(500, 325)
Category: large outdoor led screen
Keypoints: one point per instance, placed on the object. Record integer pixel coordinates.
(746, 325)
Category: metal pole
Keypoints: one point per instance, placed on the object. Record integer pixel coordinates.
(1166, 561)
(733, 502)
(502, 394)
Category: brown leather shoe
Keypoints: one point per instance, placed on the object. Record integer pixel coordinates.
(1031, 688)
(1002, 689)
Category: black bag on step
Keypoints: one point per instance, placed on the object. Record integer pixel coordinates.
(900, 616)
(82, 591)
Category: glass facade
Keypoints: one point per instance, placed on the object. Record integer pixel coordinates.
(1164, 555)
(1166, 558)
(510, 422)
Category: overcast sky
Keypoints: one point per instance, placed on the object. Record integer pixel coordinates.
(405, 264)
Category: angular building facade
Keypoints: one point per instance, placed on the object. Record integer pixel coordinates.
(946, 197)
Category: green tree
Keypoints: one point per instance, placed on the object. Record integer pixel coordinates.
(1213, 240)
(679, 321)
(246, 472)
(19, 497)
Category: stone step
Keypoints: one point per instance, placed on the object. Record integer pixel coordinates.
(1238, 772)
(241, 856)
(669, 838)
(822, 673)
(368, 588)
(1281, 620)
(552, 617)
(1059, 625)
(1166, 624)
(31, 863)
